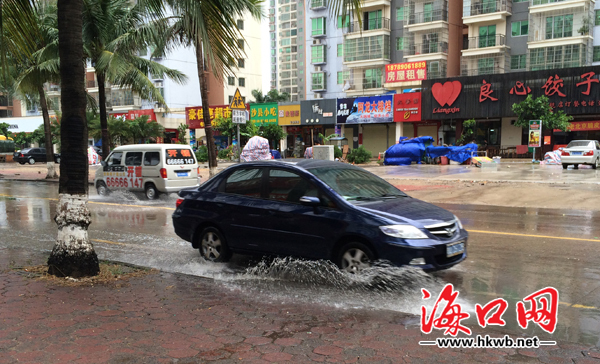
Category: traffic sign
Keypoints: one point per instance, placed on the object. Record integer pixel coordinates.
(238, 116)
(237, 102)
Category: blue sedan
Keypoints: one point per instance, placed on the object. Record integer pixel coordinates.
(316, 210)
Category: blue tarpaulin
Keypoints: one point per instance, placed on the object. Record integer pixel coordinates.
(413, 150)
(275, 154)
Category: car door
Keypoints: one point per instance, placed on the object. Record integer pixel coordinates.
(243, 211)
(40, 154)
(133, 168)
(299, 229)
(114, 171)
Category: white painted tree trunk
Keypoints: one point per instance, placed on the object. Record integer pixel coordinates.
(73, 255)
(51, 171)
(212, 171)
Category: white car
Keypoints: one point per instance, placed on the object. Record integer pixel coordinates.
(581, 152)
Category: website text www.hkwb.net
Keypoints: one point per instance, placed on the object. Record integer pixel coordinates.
(486, 341)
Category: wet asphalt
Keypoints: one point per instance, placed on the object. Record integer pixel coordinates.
(513, 252)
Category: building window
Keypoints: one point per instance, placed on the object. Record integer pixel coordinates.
(487, 36)
(399, 44)
(596, 54)
(373, 78)
(317, 54)
(365, 48)
(241, 43)
(318, 81)
(520, 28)
(559, 26)
(520, 1)
(241, 63)
(230, 99)
(485, 66)
(427, 12)
(144, 52)
(557, 57)
(518, 62)
(240, 24)
(340, 50)
(294, 32)
(597, 22)
(343, 76)
(231, 81)
(400, 14)
(318, 26)
(242, 82)
(375, 20)
(489, 6)
(317, 4)
(343, 23)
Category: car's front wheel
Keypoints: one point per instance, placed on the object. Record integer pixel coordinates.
(354, 257)
(102, 189)
(213, 246)
(565, 166)
(57, 160)
(21, 163)
(31, 161)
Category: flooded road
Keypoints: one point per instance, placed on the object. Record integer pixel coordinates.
(513, 252)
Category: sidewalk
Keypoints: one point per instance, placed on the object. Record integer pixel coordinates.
(168, 318)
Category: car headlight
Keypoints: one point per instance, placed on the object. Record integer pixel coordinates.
(460, 226)
(403, 231)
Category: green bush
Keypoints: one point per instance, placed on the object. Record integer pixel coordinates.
(337, 152)
(225, 153)
(359, 155)
(202, 154)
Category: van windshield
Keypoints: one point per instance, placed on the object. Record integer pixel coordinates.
(178, 156)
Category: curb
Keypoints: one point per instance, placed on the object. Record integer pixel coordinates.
(35, 180)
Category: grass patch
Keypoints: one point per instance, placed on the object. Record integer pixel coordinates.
(110, 274)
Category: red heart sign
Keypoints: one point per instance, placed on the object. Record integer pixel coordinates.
(446, 93)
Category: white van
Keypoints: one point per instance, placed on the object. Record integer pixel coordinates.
(148, 168)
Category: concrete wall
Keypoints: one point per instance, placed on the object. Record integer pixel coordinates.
(518, 45)
(511, 135)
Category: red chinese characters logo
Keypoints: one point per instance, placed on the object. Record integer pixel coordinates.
(450, 317)
(485, 92)
(520, 89)
(496, 317)
(588, 81)
(553, 85)
(543, 309)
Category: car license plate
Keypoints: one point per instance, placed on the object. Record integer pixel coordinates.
(455, 249)
(576, 153)
(183, 174)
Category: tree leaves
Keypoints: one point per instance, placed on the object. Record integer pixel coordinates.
(539, 109)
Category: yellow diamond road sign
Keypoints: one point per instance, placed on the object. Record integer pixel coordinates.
(237, 102)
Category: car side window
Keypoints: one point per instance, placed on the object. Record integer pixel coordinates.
(290, 187)
(597, 145)
(151, 158)
(133, 159)
(245, 182)
(115, 159)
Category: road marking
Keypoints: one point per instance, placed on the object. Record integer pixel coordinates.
(109, 242)
(530, 235)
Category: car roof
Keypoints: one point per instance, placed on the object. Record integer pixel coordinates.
(307, 164)
(149, 147)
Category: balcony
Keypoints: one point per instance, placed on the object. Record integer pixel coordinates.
(542, 6)
(498, 40)
(487, 11)
(317, 4)
(319, 82)
(427, 48)
(370, 25)
(367, 51)
(478, 71)
(425, 19)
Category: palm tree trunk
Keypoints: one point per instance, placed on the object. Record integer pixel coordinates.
(103, 119)
(73, 255)
(49, 147)
(210, 142)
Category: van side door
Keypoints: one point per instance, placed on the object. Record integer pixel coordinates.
(133, 165)
(114, 171)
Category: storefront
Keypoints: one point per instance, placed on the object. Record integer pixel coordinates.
(316, 117)
(194, 118)
(489, 99)
(289, 120)
(264, 114)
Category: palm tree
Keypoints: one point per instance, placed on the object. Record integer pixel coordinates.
(114, 32)
(259, 98)
(271, 96)
(141, 129)
(73, 255)
(36, 65)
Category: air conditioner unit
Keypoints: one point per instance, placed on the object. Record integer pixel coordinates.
(318, 96)
(316, 41)
(318, 69)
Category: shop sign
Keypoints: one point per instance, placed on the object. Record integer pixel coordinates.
(535, 132)
(134, 114)
(370, 110)
(573, 90)
(263, 114)
(584, 126)
(317, 112)
(194, 116)
(289, 114)
(293, 130)
(407, 107)
(405, 72)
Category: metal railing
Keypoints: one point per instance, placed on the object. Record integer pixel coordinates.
(428, 16)
(488, 7)
(372, 24)
(481, 71)
(487, 41)
(370, 84)
(318, 4)
(427, 48)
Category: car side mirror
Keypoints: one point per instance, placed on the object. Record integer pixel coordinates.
(310, 201)
(103, 163)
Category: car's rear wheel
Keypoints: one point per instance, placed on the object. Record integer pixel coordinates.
(596, 164)
(565, 166)
(21, 163)
(354, 257)
(31, 161)
(213, 246)
(102, 189)
(57, 160)
(151, 191)
(575, 166)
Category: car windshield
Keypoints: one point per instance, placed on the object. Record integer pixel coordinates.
(26, 150)
(356, 184)
(579, 143)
